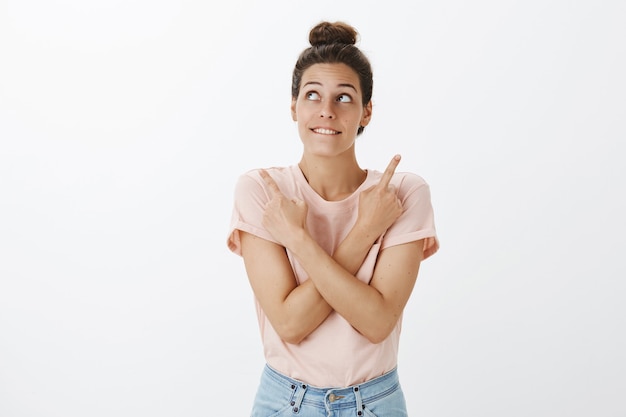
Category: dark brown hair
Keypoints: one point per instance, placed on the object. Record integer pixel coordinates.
(334, 43)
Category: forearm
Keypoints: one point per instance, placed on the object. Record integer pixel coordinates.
(352, 251)
(305, 308)
(373, 307)
(359, 303)
(293, 310)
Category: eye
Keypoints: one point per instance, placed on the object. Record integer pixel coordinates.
(312, 95)
(344, 98)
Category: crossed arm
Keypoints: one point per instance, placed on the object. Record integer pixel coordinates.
(296, 310)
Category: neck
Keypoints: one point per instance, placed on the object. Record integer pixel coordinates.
(333, 179)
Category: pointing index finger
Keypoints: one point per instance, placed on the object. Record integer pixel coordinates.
(389, 171)
(270, 182)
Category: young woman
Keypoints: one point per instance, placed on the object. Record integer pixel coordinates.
(331, 250)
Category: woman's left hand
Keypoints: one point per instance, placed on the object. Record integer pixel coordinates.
(283, 217)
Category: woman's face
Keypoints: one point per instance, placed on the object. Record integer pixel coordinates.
(329, 109)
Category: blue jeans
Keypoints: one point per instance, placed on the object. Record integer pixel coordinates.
(281, 396)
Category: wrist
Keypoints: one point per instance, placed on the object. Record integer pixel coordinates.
(297, 240)
(364, 232)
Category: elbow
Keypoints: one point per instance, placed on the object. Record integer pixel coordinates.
(291, 338)
(376, 340)
(376, 337)
(380, 332)
(290, 334)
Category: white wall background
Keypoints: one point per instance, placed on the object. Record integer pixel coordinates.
(124, 125)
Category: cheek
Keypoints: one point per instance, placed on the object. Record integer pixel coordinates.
(302, 127)
(352, 125)
(303, 110)
(354, 118)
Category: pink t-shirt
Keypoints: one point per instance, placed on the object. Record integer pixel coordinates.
(335, 354)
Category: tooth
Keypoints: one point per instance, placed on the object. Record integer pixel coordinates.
(325, 131)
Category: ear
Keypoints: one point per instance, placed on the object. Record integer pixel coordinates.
(367, 114)
(294, 116)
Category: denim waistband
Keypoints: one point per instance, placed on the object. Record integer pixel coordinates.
(335, 398)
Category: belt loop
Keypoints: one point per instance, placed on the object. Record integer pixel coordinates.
(359, 402)
(298, 400)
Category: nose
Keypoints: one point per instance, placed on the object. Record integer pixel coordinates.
(327, 111)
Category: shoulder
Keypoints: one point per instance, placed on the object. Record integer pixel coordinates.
(411, 187)
(279, 174)
(408, 179)
(403, 181)
(252, 182)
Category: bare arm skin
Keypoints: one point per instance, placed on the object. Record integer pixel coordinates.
(296, 310)
(373, 309)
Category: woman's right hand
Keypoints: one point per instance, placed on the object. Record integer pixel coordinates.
(283, 217)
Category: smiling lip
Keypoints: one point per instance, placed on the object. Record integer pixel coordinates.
(324, 131)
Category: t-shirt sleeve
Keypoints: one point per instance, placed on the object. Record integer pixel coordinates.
(250, 198)
(417, 220)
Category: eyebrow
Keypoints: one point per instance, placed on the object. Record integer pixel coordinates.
(348, 85)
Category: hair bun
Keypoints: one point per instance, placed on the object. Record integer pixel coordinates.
(326, 33)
